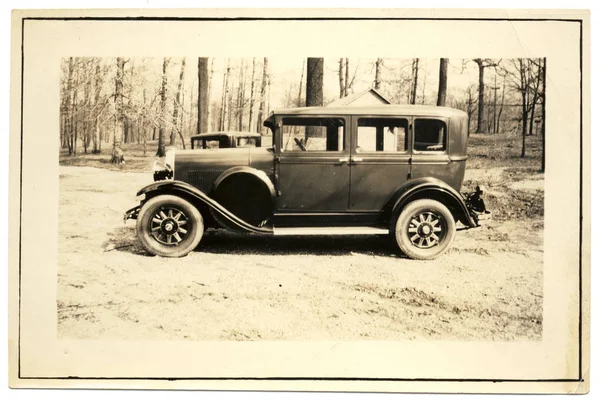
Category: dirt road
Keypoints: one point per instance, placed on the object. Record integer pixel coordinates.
(250, 287)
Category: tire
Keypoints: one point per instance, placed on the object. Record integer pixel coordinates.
(425, 229)
(169, 226)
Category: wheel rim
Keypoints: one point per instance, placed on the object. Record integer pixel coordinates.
(426, 229)
(169, 226)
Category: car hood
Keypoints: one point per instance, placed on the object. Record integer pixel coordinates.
(204, 165)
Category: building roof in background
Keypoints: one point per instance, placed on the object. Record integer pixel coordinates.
(384, 109)
(370, 96)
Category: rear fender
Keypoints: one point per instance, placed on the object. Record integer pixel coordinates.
(202, 201)
(429, 188)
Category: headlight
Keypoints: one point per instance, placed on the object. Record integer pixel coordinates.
(170, 159)
(159, 165)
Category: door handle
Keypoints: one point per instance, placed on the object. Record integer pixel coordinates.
(357, 159)
(344, 159)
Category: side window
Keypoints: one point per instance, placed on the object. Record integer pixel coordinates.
(211, 144)
(320, 134)
(430, 135)
(382, 135)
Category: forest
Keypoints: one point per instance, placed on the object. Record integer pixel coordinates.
(107, 103)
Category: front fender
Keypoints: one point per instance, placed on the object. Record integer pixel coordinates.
(187, 191)
(431, 188)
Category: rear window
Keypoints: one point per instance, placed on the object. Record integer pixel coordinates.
(382, 135)
(430, 135)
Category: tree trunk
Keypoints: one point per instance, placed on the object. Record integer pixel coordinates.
(175, 129)
(497, 129)
(480, 92)
(299, 102)
(378, 65)
(341, 78)
(163, 110)
(241, 97)
(347, 77)
(209, 114)
(538, 80)
(524, 103)
(251, 111)
(314, 88)
(263, 95)
(74, 109)
(543, 114)
(97, 90)
(415, 81)
(443, 82)
(69, 119)
(225, 99)
(117, 153)
(202, 95)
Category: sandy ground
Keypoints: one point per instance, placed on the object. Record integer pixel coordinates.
(251, 287)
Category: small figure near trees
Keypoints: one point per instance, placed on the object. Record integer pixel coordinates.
(117, 153)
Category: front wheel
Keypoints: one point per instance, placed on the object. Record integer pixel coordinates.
(425, 229)
(169, 226)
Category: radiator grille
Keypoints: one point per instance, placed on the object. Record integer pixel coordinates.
(203, 179)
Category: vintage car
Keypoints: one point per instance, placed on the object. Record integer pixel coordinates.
(390, 169)
(217, 140)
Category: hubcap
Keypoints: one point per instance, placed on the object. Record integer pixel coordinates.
(426, 230)
(169, 226)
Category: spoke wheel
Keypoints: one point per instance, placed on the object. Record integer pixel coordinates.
(169, 226)
(424, 229)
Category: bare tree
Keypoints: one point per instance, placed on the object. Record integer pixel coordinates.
(470, 103)
(314, 86)
(341, 75)
(347, 83)
(543, 100)
(69, 106)
(251, 105)
(535, 79)
(378, 66)
(482, 64)
(241, 96)
(163, 110)
(443, 82)
(263, 95)
(203, 99)
(175, 129)
(97, 143)
(415, 81)
(117, 152)
(225, 99)
(499, 116)
(299, 102)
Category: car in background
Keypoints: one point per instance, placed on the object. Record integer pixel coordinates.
(229, 139)
(391, 169)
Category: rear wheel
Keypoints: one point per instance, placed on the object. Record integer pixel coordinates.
(169, 226)
(425, 229)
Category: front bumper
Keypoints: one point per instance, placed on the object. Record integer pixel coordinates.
(132, 213)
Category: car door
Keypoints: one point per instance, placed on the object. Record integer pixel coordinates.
(312, 164)
(380, 159)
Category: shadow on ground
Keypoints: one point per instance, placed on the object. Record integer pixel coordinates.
(124, 239)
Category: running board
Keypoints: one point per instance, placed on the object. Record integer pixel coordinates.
(329, 231)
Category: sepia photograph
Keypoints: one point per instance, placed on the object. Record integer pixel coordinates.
(350, 200)
(257, 169)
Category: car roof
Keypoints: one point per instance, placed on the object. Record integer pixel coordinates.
(384, 109)
(225, 133)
